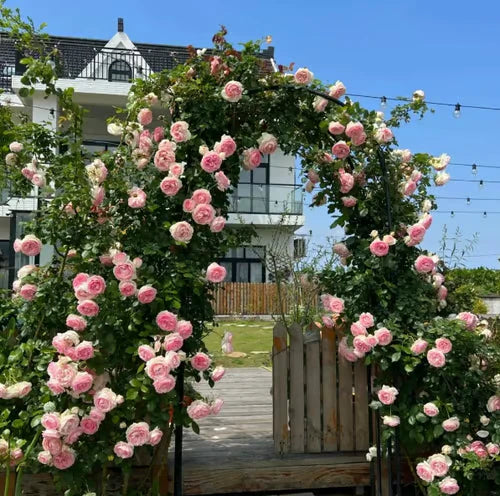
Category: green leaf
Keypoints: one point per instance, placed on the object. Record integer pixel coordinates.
(396, 356)
(132, 394)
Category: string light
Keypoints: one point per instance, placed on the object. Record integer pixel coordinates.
(484, 215)
(481, 183)
(468, 201)
(452, 213)
(474, 169)
(456, 112)
(383, 102)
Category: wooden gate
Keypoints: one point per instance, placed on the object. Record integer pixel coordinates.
(320, 400)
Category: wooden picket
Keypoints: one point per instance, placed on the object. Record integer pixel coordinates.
(320, 400)
(248, 298)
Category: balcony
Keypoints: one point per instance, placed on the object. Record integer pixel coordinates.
(280, 199)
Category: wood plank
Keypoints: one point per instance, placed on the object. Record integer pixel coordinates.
(345, 383)
(280, 389)
(198, 481)
(361, 413)
(296, 389)
(329, 386)
(313, 390)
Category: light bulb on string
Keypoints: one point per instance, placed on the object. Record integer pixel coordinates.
(456, 112)
(481, 183)
(468, 201)
(452, 213)
(484, 214)
(383, 102)
(474, 169)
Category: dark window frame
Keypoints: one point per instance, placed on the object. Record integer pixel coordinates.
(266, 165)
(247, 260)
(112, 72)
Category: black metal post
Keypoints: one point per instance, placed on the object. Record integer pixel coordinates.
(389, 465)
(397, 452)
(178, 479)
(379, 454)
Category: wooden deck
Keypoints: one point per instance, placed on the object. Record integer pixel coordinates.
(235, 452)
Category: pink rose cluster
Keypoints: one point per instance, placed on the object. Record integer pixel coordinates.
(16, 390)
(31, 172)
(481, 450)
(417, 231)
(383, 134)
(211, 160)
(64, 376)
(137, 434)
(15, 455)
(471, 321)
(353, 130)
(363, 341)
(96, 172)
(202, 212)
(87, 288)
(409, 186)
(164, 157)
(436, 466)
(436, 356)
(30, 246)
(68, 344)
(199, 409)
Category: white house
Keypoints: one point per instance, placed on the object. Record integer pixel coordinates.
(100, 72)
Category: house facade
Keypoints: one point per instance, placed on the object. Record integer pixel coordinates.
(101, 73)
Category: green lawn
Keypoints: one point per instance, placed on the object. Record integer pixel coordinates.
(248, 337)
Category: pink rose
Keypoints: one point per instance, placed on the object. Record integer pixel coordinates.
(16, 147)
(313, 176)
(232, 91)
(123, 450)
(354, 129)
(188, 205)
(216, 406)
(362, 344)
(170, 185)
(357, 329)
(88, 308)
(335, 128)
(449, 486)
(215, 273)
(391, 420)
(442, 293)
(436, 358)
(426, 220)
(164, 158)
(424, 471)
(384, 336)
(419, 346)
(341, 250)
(359, 139)
(332, 303)
(431, 410)
(349, 201)
(76, 322)
(198, 409)
(341, 149)
(51, 441)
(96, 285)
(65, 459)
(28, 291)
(164, 384)
(387, 395)
(223, 182)
(84, 351)
(127, 288)
(409, 188)
(345, 351)
(82, 382)
(438, 464)
(218, 373)
(201, 196)
(200, 361)
(227, 146)
(155, 436)
(303, 76)
(337, 90)
(180, 131)
(441, 178)
(44, 457)
(173, 342)
(470, 320)
(444, 345)
(211, 162)
(493, 449)
(55, 386)
(89, 425)
(218, 224)
(319, 104)
(451, 424)
(137, 198)
(184, 328)
(105, 400)
(138, 434)
(251, 158)
(124, 271)
(416, 232)
(166, 321)
(145, 117)
(493, 404)
(145, 352)
(383, 135)
(50, 421)
(146, 294)
(416, 176)
(30, 245)
(424, 264)
(367, 320)
(97, 414)
(379, 248)
(182, 231)
(327, 321)
(158, 134)
(268, 144)
(346, 182)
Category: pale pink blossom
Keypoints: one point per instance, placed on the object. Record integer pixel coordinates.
(444, 345)
(409, 188)
(155, 436)
(180, 131)
(28, 291)
(223, 182)
(449, 485)
(451, 424)
(146, 294)
(226, 145)
(137, 434)
(184, 328)
(470, 320)
(201, 196)
(105, 400)
(337, 90)
(357, 329)
(438, 464)
(383, 335)
(158, 134)
(16, 147)
(44, 457)
(170, 185)
(442, 293)
(198, 409)
(127, 288)
(335, 128)
(431, 410)
(354, 129)
(173, 342)
(145, 117)
(362, 344)
(164, 384)
(341, 250)
(383, 135)
(416, 232)
(268, 144)
(251, 158)
(359, 139)
(164, 158)
(30, 245)
(424, 471)
(387, 395)
(379, 248)
(201, 361)
(332, 303)
(232, 91)
(215, 273)
(145, 352)
(441, 178)
(182, 231)
(203, 214)
(303, 76)
(211, 162)
(84, 350)
(319, 104)
(124, 271)
(349, 201)
(216, 406)
(88, 308)
(51, 441)
(493, 404)
(218, 373)
(51, 421)
(341, 149)
(137, 198)
(76, 322)
(419, 346)
(123, 450)
(166, 321)
(391, 420)
(188, 205)
(367, 320)
(82, 382)
(89, 425)
(424, 264)
(436, 358)
(218, 224)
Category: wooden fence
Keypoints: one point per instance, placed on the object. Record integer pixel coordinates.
(247, 298)
(320, 400)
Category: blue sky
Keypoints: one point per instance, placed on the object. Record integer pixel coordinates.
(375, 47)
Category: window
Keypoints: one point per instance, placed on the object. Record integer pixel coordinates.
(245, 264)
(119, 70)
(96, 146)
(252, 193)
